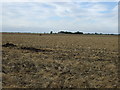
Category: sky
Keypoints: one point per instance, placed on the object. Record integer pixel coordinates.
(40, 17)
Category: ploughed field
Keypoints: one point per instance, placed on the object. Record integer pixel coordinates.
(59, 61)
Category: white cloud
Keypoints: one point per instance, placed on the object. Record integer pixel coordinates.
(58, 16)
(59, 0)
(0, 17)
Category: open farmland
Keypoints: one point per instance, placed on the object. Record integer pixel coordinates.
(59, 61)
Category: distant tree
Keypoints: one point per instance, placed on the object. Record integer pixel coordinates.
(51, 32)
(65, 32)
(78, 32)
(62, 32)
(96, 33)
(88, 33)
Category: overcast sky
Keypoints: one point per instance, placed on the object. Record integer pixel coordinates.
(56, 16)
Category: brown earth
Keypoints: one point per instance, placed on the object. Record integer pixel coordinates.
(59, 61)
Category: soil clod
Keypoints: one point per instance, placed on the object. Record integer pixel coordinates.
(9, 45)
(35, 49)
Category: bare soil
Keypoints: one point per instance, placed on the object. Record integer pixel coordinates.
(59, 61)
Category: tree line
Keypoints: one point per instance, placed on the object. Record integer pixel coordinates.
(65, 32)
(80, 32)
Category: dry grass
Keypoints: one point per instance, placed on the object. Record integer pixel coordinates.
(62, 61)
